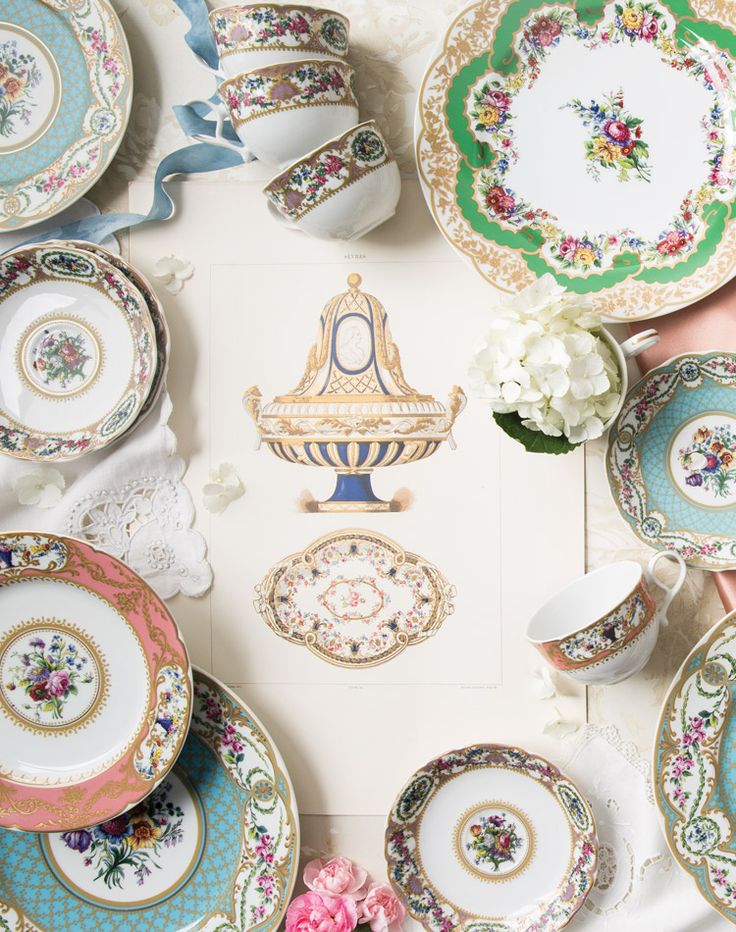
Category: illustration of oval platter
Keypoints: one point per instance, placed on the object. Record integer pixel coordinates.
(596, 144)
(491, 838)
(214, 848)
(693, 767)
(66, 87)
(355, 598)
(353, 409)
(78, 352)
(95, 685)
(672, 459)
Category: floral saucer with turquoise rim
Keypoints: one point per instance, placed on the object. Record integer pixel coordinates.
(214, 849)
(491, 839)
(78, 351)
(672, 459)
(693, 766)
(593, 141)
(66, 85)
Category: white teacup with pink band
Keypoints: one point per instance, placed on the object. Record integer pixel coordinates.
(603, 627)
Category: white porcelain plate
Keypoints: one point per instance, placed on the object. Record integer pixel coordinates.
(491, 839)
(77, 352)
(95, 685)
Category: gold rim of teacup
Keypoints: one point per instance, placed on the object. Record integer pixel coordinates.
(315, 10)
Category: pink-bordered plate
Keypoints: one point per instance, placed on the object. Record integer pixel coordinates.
(95, 685)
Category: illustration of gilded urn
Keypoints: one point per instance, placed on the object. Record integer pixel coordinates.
(353, 410)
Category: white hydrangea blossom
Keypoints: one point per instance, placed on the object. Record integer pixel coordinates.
(544, 359)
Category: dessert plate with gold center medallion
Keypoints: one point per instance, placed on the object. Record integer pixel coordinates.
(592, 141)
(77, 352)
(66, 85)
(95, 685)
(215, 847)
(491, 839)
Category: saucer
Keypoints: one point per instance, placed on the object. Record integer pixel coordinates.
(216, 846)
(491, 837)
(672, 459)
(78, 352)
(67, 88)
(95, 685)
(354, 598)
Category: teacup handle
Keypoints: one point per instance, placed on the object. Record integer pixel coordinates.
(277, 215)
(221, 114)
(213, 71)
(669, 591)
(639, 342)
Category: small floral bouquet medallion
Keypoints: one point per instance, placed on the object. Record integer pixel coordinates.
(708, 460)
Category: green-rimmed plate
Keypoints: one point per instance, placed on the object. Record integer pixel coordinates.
(672, 459)
(214, 849)
(66, 85)
(597, 144)
(694, 757)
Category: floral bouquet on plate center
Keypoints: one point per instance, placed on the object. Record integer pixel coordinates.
(548, 368)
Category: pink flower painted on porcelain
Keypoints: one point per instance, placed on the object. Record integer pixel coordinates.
(313, 912)
(338, 877)
(58, 683)
(382, 909)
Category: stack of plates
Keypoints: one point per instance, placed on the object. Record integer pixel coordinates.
(152, 787)
(83, 350)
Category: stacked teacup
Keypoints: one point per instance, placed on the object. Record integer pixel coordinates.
(290, 96)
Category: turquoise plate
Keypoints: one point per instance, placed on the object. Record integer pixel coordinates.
(66, 84)
(672, 459)
(694, 757)
(214, 849)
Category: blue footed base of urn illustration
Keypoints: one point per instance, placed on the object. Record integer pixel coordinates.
(353, 492)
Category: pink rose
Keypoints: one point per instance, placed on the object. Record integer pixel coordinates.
(338, 877)
(568, 246)
(57, 683)
(382, 909)
(312, 912)
(649, 27)
(617, 130)
(498, 99)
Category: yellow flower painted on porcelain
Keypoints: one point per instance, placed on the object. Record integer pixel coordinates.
(13, 88)
(605, 150)
(549, 230)
(632, 19)
(515, 82)
(584, 255)
(666, 46)
(702, 195)
(145, 834)
(489, 115)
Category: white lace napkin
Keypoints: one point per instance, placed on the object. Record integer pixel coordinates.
(128, 500)
(640, 888)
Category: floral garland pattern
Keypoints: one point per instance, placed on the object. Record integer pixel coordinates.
(598, 641)
(102, 42)
(708, 460)
(709, 551)
(269, 858)
(19, 75)
(302, 29)
(691, 761)
(408, 878)
(354, 599)
(280, 87)
(616, 140)
(170, 724)
(298, 190)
